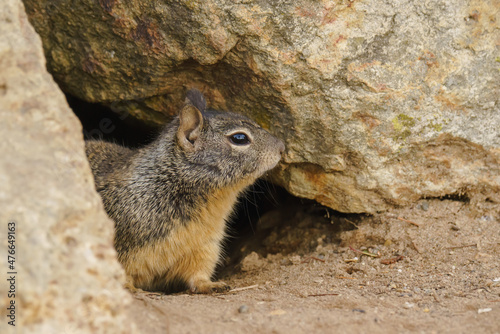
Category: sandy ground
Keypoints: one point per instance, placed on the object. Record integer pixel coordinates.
(429, 268)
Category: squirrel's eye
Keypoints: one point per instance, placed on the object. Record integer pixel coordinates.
(239, 139)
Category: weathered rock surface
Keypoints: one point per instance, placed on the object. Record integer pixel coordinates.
(68, 278)
(380, 102)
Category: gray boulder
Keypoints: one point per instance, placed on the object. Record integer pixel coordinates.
(380, 103)
(66, 275)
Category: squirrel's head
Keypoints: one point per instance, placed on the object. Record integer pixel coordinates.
(225, 146)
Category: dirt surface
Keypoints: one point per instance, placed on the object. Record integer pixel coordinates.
(430, 268)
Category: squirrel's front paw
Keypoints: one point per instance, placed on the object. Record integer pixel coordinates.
(210, 287)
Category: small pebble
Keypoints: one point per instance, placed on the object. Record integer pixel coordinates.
(408, 305)
(484, 310)
(358, 310)
(278, 312)
(406, 294)
(243, 309)
(424, 206)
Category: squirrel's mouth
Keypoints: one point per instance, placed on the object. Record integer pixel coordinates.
(269, 163)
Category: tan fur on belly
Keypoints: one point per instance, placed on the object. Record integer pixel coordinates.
(190, 252)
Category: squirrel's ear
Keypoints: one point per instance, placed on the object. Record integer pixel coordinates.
(196, 98)
(191, 122)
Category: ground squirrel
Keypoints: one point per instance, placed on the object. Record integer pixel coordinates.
(170, 199)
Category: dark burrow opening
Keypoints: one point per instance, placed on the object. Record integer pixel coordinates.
(267, 219)
(101, 122)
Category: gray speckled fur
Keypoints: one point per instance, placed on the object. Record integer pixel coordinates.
(150, 190)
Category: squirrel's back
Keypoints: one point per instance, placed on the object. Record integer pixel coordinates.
(170, 199)
(105, 157)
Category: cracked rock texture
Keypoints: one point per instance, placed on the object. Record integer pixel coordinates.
(380, 102)
(68, 278)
